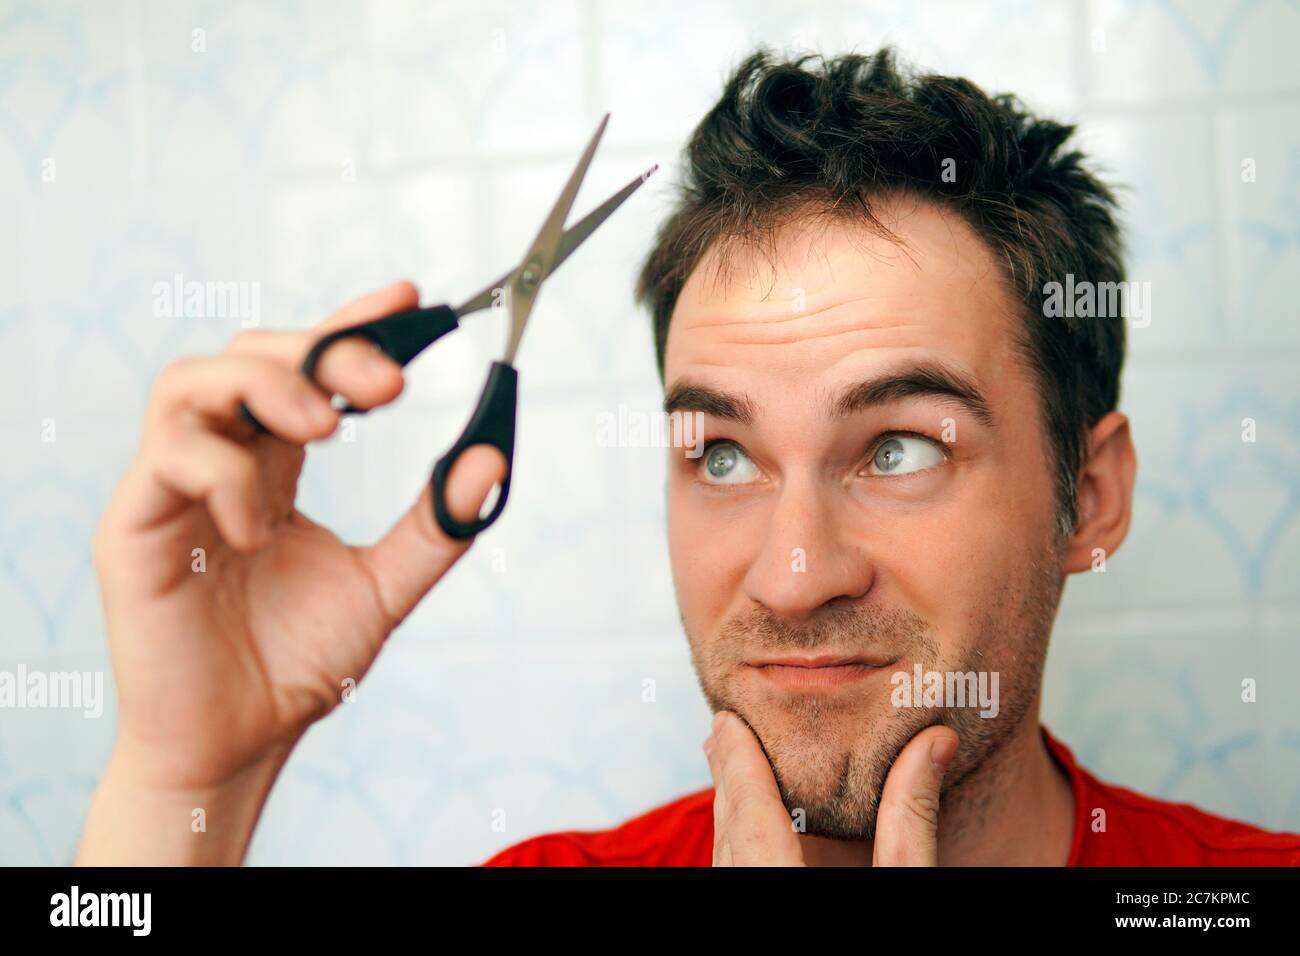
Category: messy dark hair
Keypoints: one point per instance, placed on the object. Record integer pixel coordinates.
(845, 132)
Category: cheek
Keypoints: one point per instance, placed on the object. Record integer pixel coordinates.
(917, 561)
(709, 556)
(965, 562)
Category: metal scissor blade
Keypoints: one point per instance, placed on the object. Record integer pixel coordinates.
(573, 237)
(548, 237)
(577, 234)
(536, 265)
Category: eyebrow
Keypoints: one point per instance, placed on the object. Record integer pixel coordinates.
(687, 397)
(927, 380)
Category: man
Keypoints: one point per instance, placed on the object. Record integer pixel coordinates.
(909, 450)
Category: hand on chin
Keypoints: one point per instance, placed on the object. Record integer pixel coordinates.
(752, 828)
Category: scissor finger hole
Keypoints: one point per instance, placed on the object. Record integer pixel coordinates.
(490, 502)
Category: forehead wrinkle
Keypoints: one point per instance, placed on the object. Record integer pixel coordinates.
(811, 327)
(794, 339)
(845, 331)
(776, 318)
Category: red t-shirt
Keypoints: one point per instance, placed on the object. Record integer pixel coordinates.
(1139, 831)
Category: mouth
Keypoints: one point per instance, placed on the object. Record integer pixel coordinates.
(824, 672)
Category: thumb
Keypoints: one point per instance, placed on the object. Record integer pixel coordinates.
(416, 552)
(907, 824)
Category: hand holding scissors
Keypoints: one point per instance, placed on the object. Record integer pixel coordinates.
(234, 620)
(406, 334)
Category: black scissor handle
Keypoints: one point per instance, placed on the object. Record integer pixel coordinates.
(493, 423)
(401, 336)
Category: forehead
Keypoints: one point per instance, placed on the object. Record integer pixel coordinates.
(830, 299)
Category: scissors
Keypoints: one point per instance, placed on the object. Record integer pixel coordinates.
(404, 335)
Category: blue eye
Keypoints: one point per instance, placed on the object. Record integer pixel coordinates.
(725, 464)
(904, 454)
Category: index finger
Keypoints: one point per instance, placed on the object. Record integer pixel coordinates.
(749, 813)
(354, 367)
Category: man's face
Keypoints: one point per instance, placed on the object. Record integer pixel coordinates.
(876, 493)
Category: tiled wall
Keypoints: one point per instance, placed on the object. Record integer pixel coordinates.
(321, 148)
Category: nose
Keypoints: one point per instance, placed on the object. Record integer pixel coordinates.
(805, 560)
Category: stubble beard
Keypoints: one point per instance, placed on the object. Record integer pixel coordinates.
(831, 753)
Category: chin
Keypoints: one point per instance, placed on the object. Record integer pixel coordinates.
(819, 775)
(832, 807)
(830, 764)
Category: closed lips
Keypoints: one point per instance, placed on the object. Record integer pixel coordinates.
(824, 661)
(818, 673)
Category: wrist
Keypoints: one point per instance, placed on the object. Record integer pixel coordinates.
(137, 818)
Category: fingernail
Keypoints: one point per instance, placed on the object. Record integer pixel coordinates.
(718, 720)
(942, 750)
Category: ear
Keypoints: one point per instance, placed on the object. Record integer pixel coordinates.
(1105, 492)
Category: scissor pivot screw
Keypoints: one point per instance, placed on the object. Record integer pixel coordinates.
(530, 275)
